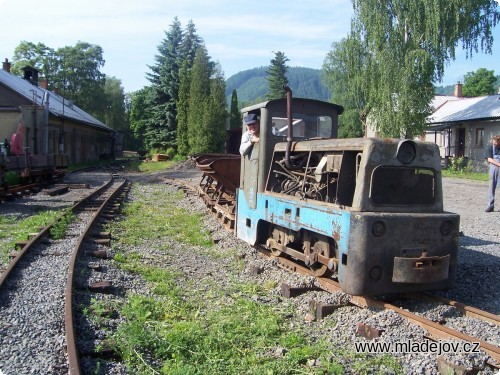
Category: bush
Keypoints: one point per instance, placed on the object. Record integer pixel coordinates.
(12, 178)
(170, 153)
(460, 165)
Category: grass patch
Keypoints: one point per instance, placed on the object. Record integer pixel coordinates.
(13, 229)
(238, 338)
(158, 215)
(148, 167)
(476, 176)
(206, 328)
(60, 227)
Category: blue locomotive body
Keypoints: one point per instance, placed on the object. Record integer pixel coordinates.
(366, 211)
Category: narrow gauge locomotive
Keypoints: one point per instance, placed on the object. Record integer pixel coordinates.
(366, 211)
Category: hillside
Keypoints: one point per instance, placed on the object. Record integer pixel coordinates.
(252, 86)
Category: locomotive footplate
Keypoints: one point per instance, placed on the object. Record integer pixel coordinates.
(422, 270)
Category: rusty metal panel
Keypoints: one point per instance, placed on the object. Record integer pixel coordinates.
(378, 241)
(224, 169)
(421, 269)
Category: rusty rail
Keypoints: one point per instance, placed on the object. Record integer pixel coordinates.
(73, 357)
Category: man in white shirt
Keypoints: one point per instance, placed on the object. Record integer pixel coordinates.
(251, 136)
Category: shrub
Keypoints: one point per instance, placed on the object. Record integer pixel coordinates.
(170, 153)
(460, 165)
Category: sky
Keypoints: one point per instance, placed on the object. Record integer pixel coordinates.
(238, 34)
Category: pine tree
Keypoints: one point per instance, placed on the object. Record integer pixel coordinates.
(162, 127)
(183, 109)
(190, 43)
(277, 76)
(217, 112)
(199, 93)
(234, 113)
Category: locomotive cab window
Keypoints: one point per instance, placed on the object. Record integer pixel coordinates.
(402, 186)
(304, 126)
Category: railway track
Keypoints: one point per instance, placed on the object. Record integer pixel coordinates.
(38, 288)
(436, 331)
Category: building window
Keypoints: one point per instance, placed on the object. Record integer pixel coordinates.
(479, 138)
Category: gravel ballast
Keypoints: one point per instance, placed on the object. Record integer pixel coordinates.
(477, 282)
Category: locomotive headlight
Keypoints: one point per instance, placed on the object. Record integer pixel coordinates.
(446, 228)
(406, 151)
(378, 228)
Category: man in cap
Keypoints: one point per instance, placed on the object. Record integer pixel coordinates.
(251, 136)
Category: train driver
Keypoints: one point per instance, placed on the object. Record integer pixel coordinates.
(251, 136)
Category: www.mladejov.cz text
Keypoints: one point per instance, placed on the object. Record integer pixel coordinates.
(409, 346)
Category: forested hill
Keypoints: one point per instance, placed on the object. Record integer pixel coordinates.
(252, 86)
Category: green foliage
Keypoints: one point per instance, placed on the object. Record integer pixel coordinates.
(251, 85)
(218, 328)
(346, 73)
(140, 166)
(234, 113)
(170, 153)
(12, 178)
(402, 47)
(159, 120)
(237, 338)
(475, 176)
(76, 72)
(206, 113)
(479, 83)
(444, 90)
(80, 78)
(217, 112)
(59, 228)
(17, 228)
(350, 125)
(199, 92)
(183, 110)
(164, 77)
(164, 219)
(115, 105)
(140, 111)
(277, 76)
(37, 55)
(460, 165)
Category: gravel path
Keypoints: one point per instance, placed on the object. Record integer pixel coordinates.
(477, 283)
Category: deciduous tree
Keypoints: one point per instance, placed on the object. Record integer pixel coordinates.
(346, 73)
(115, 104)
(140, 111)
(407, 44)
(74, 70)
(478, 83)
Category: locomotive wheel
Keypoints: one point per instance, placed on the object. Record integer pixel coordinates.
(278, 236)
(320, 247)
